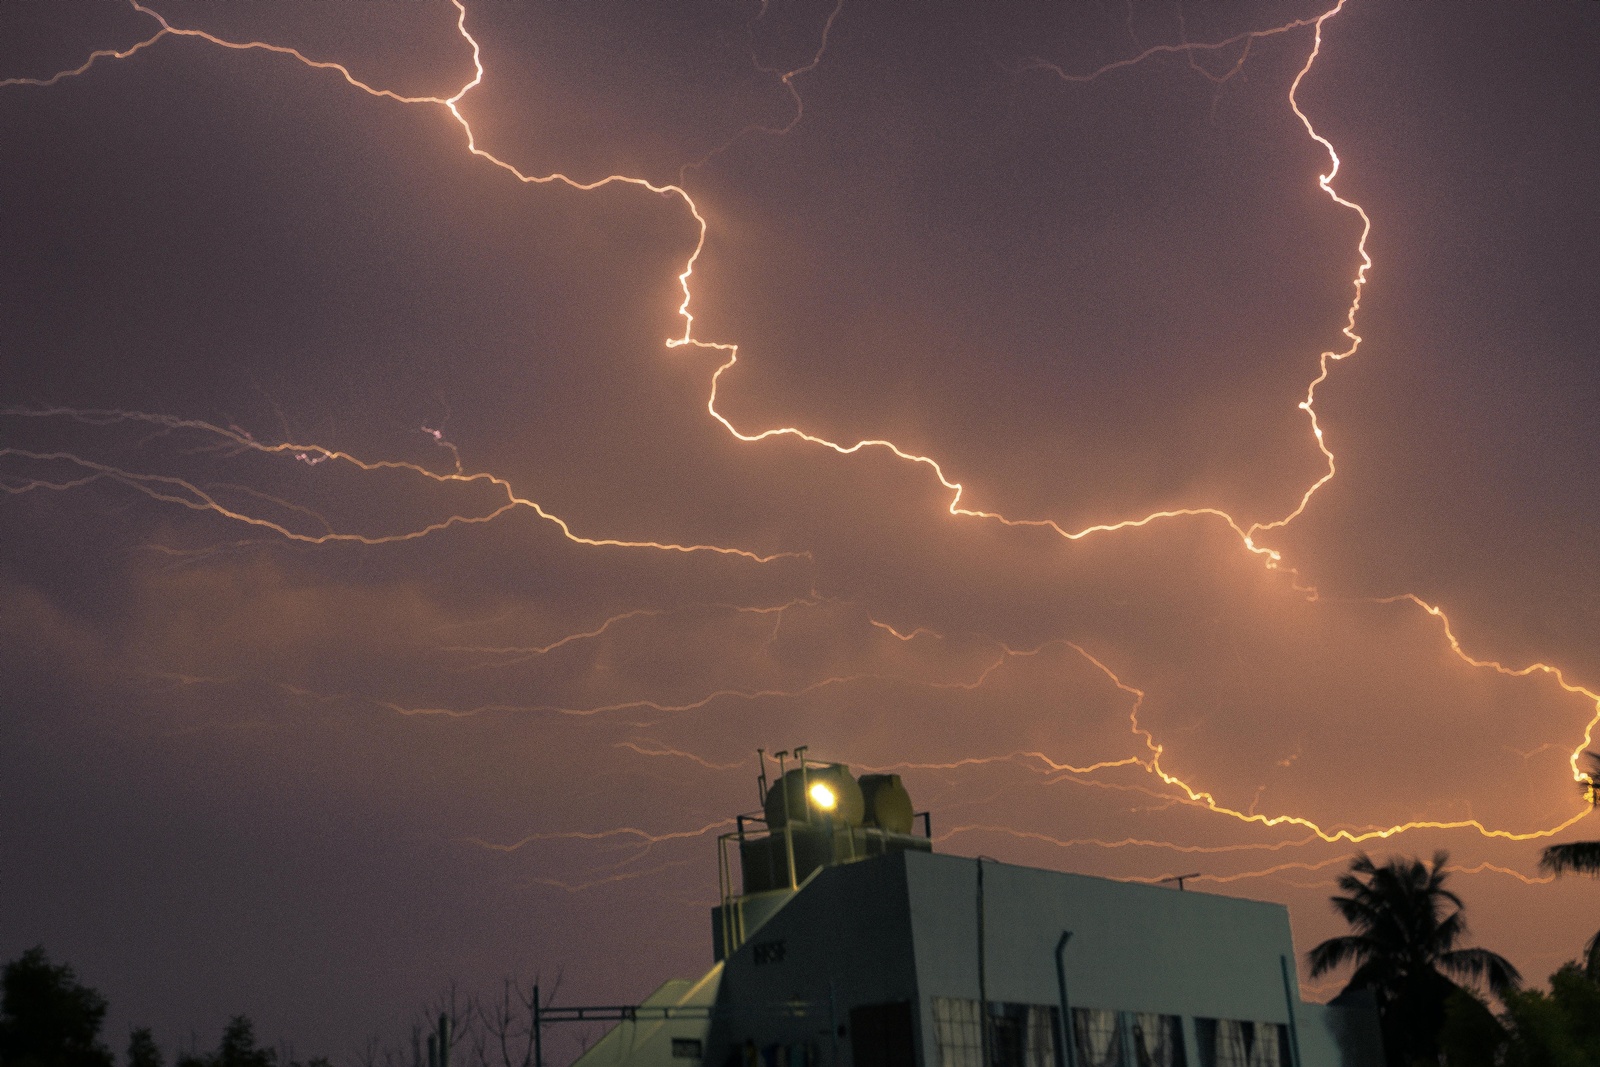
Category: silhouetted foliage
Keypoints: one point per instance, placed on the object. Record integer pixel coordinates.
(47, 1019)
(1472, 1036)
(1581, 857)
(1406, 928)
(238, 1049)
(1560, 1028)
(142, 1050)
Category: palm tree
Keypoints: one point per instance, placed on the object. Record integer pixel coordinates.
(1407, 927)
(1582, 857)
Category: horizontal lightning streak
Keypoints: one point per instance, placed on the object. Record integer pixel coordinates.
(579, 887)
(174, 490)
(633, 832)
(524, 653)
(1126, 842)
(677, 754)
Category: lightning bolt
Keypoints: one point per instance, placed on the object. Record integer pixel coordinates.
(170, 489)
(188, 494)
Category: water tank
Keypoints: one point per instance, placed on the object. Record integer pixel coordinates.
(887, 802)
(816, 794)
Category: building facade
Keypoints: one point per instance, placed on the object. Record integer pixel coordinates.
(885, 954)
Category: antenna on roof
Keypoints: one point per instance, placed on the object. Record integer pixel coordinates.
(1179, 878)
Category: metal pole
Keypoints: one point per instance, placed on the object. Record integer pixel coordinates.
(788, 819)
(983, 975)
(538, 1030)
(444, 1040)
(1061, 991)
(1289, 999)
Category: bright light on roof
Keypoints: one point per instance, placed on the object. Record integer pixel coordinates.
(823, 796)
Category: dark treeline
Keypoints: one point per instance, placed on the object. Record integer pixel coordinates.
(1436, 996)
(50, 1019)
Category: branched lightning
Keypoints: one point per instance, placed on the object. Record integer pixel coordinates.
(183, 492)
(63, 471)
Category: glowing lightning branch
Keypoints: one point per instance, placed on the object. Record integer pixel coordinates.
(187, 494)
(183, 492)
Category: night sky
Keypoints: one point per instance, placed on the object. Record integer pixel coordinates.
(317, 692)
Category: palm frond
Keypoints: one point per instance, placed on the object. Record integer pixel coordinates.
(1481, 965)
(1582, 857)
(1337, 951)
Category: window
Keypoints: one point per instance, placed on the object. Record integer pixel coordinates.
(1097, 1038)
(687, 1048)
(882, 1034)
(1231, 1043)
(958, 1027)
(1020, 1035)
(1157, 1040)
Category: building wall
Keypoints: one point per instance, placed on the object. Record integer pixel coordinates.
(903, 929)
(843, 942)
(1133, 947)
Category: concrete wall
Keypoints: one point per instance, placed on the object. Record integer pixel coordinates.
(844, 941)
(1133, 947)
(648, 1041)
(904, 928)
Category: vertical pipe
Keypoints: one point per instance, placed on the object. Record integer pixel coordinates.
(444, 1040)
(983, 975)
(805, 783)
(1290, 999)
(538, 1029)
(1067, 1043)
(725, 880)
(788, 818)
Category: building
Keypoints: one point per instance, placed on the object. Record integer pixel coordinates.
(850, 942)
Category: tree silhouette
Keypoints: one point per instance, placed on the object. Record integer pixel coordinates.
(47, 1019)
(142, 1050)
(238, 1049)
(1582, 857)
(1407, 926)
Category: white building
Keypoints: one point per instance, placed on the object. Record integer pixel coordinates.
(870, 950)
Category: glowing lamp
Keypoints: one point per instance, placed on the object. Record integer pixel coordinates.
(823, 796)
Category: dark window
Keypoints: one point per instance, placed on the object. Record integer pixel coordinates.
(687, 1048)
(1019, 1035)
(1232, 1043)
(1097, 1037)
(1156, 1040)
(882, 1035)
